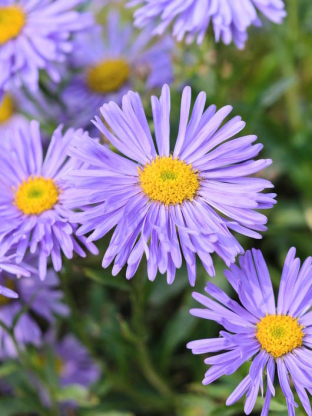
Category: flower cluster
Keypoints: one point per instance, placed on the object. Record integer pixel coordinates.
(171, 195)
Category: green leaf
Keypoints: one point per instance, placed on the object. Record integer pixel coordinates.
(8, 368)
(176, 332)
(110, 413)
(12, 406)
(99, 276)
(77, 394)
(278, 407)
(276, 91)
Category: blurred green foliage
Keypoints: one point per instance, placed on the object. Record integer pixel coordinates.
(137, 330)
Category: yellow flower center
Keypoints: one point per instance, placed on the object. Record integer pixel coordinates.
(36, 195)
(279, 334)
(6, 108)
(10, 284)
(12, 21)
(169, 181)
(108, 76)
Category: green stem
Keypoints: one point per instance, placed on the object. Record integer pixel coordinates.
(293, 19)
(138, 300)
(144, 401)
(286, 50)
(149, 370)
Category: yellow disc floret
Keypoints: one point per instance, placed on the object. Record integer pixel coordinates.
(36, 195)
(109, 75)
(169, 181)
(12, 21)
(279, 334)
(6, 108)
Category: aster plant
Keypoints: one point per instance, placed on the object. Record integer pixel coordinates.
(33, 216)
(191, 19)
(36, 35)
(168, 204)
(275, 336)
(110, 64)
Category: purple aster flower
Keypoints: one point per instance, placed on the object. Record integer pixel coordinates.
(191, 19)
(73, 365)
(32, 199)
(43, 299)
(162, 203)
(77, 366)
(111, 65)
(36, 35)
(272, 336)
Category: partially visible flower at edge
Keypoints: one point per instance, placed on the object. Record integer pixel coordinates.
(271, 335)
(32, 199)
(39, 39)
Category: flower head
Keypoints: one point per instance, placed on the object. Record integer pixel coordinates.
(271, 335)
(42, 298)
(32, 199)
(191, 19)
(163, 202)
(36, 35)
(112, 64)
(77, 366)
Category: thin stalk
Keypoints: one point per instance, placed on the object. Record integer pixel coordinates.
(285, 49)
(138, 300)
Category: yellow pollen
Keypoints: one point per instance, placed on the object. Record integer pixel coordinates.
(12, 21)
(6, 108)
(108, 76)
(169, 181)
(279, 334)
(36, 195)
